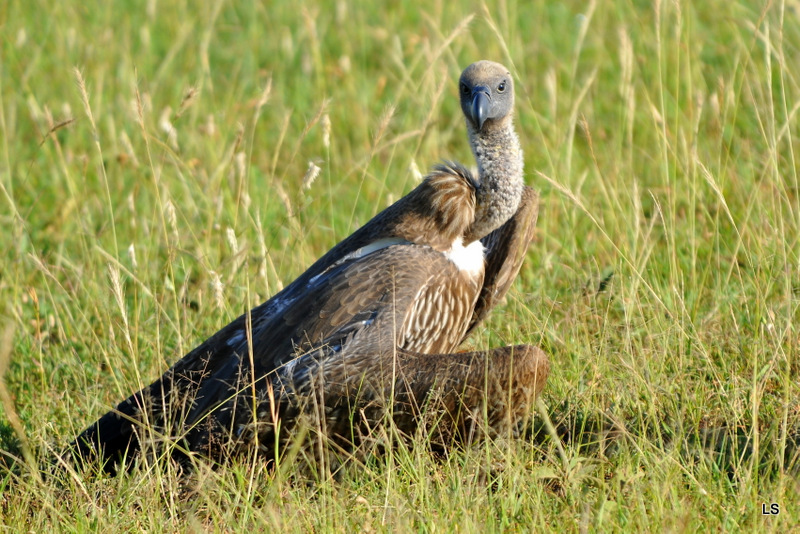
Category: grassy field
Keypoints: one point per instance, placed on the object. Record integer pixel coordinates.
(157, 174)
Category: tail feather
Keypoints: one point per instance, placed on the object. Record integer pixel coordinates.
(110, 438)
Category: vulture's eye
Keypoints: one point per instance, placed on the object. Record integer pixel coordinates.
(501, 87)
(464, 89)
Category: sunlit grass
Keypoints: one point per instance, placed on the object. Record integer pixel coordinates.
(152, 166)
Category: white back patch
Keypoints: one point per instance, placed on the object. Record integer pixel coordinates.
(363, 251)
(374, 247)
(468, 259)
(235, 339)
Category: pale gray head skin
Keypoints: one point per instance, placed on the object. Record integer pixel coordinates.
(487, 101)
(487, 94)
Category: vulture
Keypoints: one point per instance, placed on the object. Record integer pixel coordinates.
(370, 332)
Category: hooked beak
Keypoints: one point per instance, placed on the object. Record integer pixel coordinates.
(479, 110)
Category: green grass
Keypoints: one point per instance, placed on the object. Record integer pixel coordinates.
(664, 283)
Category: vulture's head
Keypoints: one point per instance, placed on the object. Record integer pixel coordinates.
(487, 94)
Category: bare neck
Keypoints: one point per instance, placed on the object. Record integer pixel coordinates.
(500, 168)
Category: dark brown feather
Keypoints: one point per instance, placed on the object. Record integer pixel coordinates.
(506, 248)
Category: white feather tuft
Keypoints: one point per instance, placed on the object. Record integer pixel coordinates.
(468, 259)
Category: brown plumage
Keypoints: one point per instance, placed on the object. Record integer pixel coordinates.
(371, 327)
